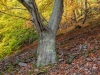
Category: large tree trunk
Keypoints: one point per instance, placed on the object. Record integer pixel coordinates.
(46, 49)
(46, 46)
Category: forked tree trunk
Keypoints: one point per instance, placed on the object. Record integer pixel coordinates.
(46, 49)
(46, 46)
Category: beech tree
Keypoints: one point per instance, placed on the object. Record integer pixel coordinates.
(46, 53)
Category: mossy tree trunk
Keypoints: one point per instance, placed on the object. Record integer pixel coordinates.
(46, 45)
(46, 49)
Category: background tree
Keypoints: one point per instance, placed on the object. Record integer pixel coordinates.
(14, 26)
(46, 45)
(85, 12)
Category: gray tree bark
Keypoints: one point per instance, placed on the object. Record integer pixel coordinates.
(46, 53)
(46, 49)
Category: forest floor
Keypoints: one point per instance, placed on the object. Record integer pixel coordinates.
(78, 53)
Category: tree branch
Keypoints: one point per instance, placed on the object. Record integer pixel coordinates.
(56, 15)
(14, 15)
(33, 10)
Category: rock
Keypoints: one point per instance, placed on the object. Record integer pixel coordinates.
(88, 59)
(98, 59)
(60, 60)
(33, 62)
(22, 64)
(96, 42)
(98, 63)
(36, 70)
(94, 66)
(70, 59)
(74, 74)
(80, 47)
(84, 47)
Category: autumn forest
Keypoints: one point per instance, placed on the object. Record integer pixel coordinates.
(49, 37)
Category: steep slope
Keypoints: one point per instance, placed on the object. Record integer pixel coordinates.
(78, 54)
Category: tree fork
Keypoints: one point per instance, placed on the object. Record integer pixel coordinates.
(46, 46)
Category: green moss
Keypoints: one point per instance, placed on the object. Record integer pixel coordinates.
(30, 72)
(1, 74)
(87, 54)
(13, 35)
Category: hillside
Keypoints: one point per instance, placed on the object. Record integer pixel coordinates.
(78, 53)
(29, 29)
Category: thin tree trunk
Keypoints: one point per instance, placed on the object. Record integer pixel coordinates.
(85, 13)
(84, 19)
(74, 15)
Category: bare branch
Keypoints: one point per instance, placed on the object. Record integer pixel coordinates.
(47, 5)
(11, 8)
(14, 15)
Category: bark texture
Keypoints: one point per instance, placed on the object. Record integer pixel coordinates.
(56, 16)
(46, 49)
(46, 46)
(33, 10)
